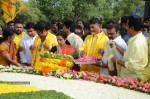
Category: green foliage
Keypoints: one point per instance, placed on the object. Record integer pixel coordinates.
(125, 7)
(35, 95)
(77, 9)
(31, 13)
(56, 56)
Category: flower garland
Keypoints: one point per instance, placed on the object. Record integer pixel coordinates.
(53, 61)
(132, 84)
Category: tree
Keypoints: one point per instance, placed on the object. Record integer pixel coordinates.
(74, 9)
(78, 9)
(31, 13)
(125, 7)
(56, 9)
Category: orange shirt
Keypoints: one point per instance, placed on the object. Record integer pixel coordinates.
(5, 49)
(68, 50)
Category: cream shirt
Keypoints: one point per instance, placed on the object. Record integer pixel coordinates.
(135, 57)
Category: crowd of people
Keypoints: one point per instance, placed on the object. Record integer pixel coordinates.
(123, 48)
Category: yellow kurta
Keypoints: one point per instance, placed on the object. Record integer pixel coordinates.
(18, 38)
(146, 74)
(50, 40)
(135, 57)
(91, 45)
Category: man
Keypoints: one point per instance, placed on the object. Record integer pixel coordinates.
(126, 36)
(79, 30)
(113, 47)
(26, 42)
(81, 23)
(146, 74)
(135, 57)
(92, 43)
(74, 40)
(43, 42)
(19, 34)
(10, 25)
(54, 26)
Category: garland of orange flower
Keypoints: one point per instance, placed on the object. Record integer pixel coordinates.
(53, 61)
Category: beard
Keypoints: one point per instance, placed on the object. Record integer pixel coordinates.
(18, 32)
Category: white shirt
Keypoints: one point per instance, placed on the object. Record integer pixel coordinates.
(25, 55)
(120, 42)
(74, 40)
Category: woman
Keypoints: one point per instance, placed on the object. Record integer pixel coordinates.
(8, 49)
(66, 49)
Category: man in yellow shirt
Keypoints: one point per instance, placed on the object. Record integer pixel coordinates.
(146, 74)
(135, 58)
(19, 33)
(92, 44)
(45, 41)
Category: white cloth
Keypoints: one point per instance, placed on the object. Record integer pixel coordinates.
(120, 42)
(25, 55)
(74, 40)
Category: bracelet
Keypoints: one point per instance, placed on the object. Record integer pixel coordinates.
(117, 61)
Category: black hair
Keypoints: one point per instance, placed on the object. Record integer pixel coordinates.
(80, 20)
(95, 20)
(54, 22)
(111, 21)
(48, 25)
(10, 23)
(86, 25)
(41, 25)
(7, 33)
(124, 19)
(145, 26)
(135, 22)
(59, 25)
(146, 19)
(30, 25)
(115, 26)
(18, 21)
(70, 24)
(62, 34)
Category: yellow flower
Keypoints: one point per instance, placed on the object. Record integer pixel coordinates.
(8, 88)
(53, 64)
